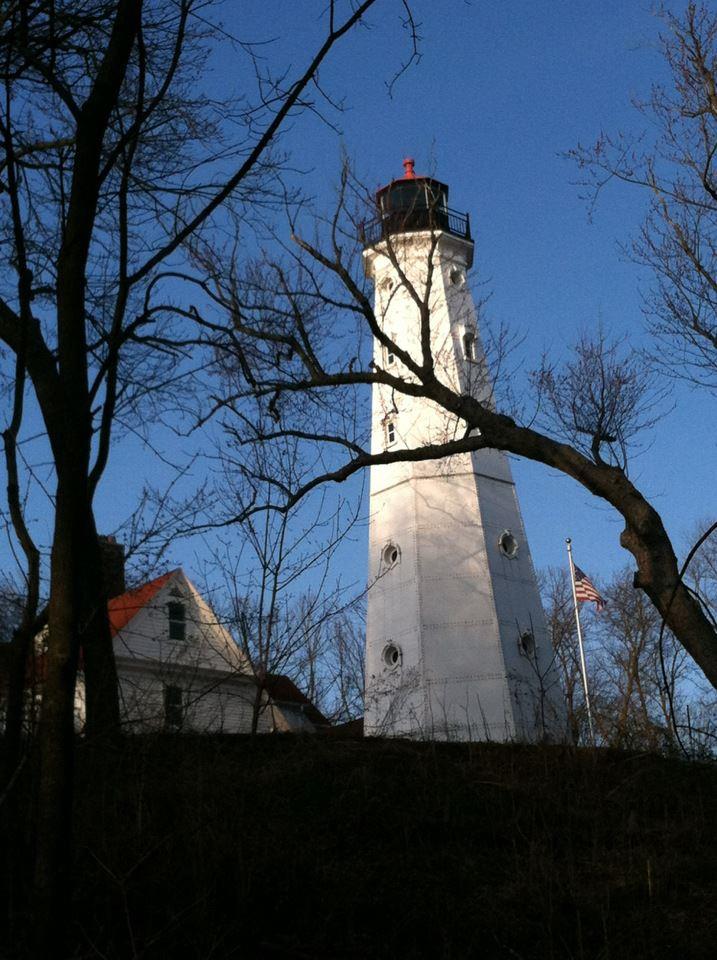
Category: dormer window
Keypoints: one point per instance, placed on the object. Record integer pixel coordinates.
(177, 620)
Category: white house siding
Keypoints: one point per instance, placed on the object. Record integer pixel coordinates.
(211, 703)
(217, 686)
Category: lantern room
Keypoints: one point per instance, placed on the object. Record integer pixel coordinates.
(412, 203)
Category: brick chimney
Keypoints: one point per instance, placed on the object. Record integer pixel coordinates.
(112, 566)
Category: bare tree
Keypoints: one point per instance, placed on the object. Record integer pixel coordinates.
(674, 159)
(638, 703)
(645, 692)
(603, 399)
(284, 599)
(698, 724)
(557, 598)
(343, 697)
(27, 619)
(111, 167)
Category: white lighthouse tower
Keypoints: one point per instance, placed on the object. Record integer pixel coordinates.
(456, 645)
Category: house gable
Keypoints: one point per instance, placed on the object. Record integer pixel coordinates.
(146, 635)
(177, 666)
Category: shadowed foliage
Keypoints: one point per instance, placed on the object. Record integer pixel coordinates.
(290, 847)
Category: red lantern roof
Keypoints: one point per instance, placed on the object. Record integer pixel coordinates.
(410, 174)
(408, 165)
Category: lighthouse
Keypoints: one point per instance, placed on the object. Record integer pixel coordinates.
(456, 643)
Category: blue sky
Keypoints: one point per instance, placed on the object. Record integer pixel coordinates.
(502, 90)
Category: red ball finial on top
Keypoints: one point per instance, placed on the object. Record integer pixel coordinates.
(408, 165)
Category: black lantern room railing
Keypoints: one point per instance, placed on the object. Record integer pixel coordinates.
(408, 221)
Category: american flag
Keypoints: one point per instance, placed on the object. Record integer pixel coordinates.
(585, 590)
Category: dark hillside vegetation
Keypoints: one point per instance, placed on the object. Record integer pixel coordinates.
(214, 847)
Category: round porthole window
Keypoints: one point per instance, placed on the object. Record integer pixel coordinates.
(527, 643)
(390, 555)
(457, 278)
(391, 656)
(508, 544)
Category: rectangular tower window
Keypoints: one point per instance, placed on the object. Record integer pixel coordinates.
(173, 708)
(390, 432)
(177, 621)
(469, 346)
(389, 354)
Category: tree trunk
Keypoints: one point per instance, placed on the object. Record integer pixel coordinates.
(77, 613)
(622, 721)
(77, 620)
(15, 853)
(101, 690)
(257, 706)
(15, 708)
(53, 831)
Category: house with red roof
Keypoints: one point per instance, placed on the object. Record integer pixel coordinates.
(179, 668)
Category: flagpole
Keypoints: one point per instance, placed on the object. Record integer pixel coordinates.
(583, 667)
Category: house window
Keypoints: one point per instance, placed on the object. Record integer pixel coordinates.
(469, 346)
(173, 708)
(177, 621)
(390, 432)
